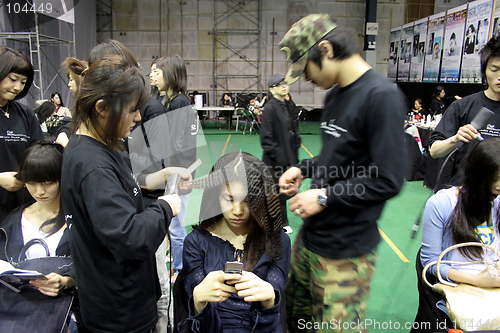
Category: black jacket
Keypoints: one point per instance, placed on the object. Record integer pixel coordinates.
(11, 238)
(278, 135)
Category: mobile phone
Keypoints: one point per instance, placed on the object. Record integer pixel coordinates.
(233, 267)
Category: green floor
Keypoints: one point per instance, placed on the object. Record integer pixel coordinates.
(394, 297)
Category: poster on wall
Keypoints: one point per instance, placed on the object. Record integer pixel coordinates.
(418, 56)
(406, 52)
(393, 53)
(434, 44)
(495, 27)
(452, 44)
(476, 35)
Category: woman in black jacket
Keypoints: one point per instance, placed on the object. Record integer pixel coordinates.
(278, 136)
(40, 171)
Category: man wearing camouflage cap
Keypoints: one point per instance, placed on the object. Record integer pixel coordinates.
(361, 165)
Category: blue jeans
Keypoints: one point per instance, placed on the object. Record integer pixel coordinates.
(177, 233)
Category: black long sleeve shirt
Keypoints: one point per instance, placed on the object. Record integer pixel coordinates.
(362, 164)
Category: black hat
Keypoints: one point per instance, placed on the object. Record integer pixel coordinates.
(275, 79)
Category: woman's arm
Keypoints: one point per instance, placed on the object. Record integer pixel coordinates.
(201, 312)
(54, 284)
(159, 179)
(434, 236)
(9, 182)
(483, 279)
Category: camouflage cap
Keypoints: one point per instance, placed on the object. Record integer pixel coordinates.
(301, 37)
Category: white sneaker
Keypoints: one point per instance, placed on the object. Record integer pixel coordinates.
(288, 229)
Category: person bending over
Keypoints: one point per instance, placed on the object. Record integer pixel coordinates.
(113, 238)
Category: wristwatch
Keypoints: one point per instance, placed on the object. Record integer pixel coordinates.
(322, 197)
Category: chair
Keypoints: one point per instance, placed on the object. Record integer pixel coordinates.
(238, 113)
(252, 120)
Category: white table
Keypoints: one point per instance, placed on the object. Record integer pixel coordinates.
(216, 109)
(310, 107)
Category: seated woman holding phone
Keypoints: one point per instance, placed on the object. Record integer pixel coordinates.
(236, 260)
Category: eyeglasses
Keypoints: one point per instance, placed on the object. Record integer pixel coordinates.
(282, 83)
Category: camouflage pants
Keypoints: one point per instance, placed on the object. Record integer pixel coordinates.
(327, 295)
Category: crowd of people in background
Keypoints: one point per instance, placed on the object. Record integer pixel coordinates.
(111, 188)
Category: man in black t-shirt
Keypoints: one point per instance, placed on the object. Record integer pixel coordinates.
(455, 125)
(361, 165)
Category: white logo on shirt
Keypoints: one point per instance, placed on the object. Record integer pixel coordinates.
(136, 191)
(332, 129)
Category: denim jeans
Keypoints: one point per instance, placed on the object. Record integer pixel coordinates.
(177, 233)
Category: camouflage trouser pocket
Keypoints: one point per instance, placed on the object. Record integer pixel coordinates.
(327, 295)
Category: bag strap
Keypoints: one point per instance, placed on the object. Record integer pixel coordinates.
(22, 254)
(440, 261)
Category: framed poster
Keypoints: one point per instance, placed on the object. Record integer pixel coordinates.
(418, 56)
(435, 33)
(476, 35)
(452, 44)
(393, 53)
(406, 52)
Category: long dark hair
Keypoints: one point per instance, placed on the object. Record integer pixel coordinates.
(60, 98)
(437, 91)
(473, 208)
(42, 163)
(13, 61)
(265, 214)
(117, 83)
(174, 74)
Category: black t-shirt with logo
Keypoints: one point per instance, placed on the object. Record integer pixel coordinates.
(362, 164)
(113, 238)
(17, 133)
(460, 113)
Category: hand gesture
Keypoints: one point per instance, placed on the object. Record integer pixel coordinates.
(486, 280)
(213, 289)
(174, 201)
(253, 289)
(9, 182)
(290, 181)
(306, 204)
(182, 172)
(54, 284)
(466, 134)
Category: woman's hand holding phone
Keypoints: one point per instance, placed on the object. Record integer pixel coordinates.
(213, 289)
(253, 289)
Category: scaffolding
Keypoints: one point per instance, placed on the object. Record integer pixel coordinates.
(37, 42)
(237, 52)
(104, 13)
